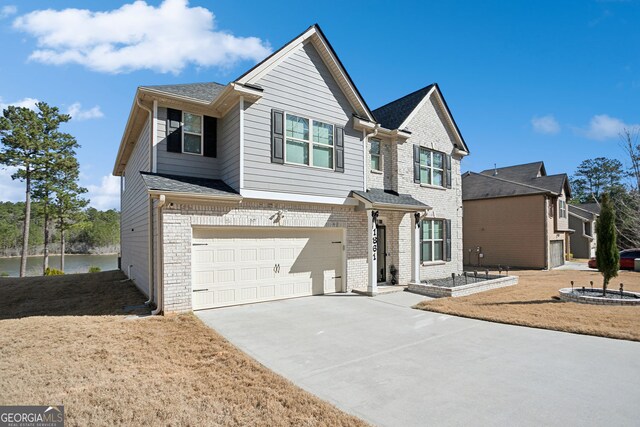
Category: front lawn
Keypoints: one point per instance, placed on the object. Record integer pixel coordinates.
(68, 340)
(533, 302)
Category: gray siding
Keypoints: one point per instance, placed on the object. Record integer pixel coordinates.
(229, 147)
(179, 163)
(301, 85)
(135, 214)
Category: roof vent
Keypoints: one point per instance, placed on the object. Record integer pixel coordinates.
(495, 169)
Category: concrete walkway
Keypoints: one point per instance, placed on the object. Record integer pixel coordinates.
(394, 366)
(575, 265)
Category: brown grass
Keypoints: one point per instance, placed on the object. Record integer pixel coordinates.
(65, 340)
(533, 302)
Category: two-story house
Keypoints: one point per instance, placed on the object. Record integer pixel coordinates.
(283, 183)
(516, 216)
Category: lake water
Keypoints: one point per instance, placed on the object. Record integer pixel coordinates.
(72, 264)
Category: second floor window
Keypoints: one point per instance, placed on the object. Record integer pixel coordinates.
(376, 163)
(309, 142)
(562, 208)
(432, 240)
(192, 133)
(431, 167)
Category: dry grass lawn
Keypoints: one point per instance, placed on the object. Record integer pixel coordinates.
(533, 302)
(66, 340)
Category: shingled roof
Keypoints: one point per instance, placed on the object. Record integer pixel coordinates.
(518, 180)
(392, 115)
(378, 196)
(200, 91)
(186, 184)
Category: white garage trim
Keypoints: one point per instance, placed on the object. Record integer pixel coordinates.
(232, 266)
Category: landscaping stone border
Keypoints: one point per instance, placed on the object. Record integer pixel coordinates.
(567, 294)
(434, 291)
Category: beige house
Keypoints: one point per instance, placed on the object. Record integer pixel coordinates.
(582, 219)
(516, 216)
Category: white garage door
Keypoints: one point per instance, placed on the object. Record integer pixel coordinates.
(240, 266)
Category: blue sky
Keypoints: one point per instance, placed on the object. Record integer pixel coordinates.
(526, 81)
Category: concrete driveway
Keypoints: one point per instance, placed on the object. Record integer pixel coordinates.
(393, 366)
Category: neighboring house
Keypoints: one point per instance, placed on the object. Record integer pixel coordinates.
(582, 219)
(516, 216)
(283, 183)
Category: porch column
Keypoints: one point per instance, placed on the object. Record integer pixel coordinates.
(415, 248)
(372, 252)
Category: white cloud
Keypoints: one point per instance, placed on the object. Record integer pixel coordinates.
(137, 36)
(10, 190)
(8, 10)
(24, 102)
(602, 127)
(106, 195)
(77, 113)
(545, 124)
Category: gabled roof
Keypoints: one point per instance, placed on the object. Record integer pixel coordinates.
(393, 114)
(387, 198)
(397, 114)
(477, 186)
(591, 207)
(166, 183)
(518, 173)
(532, 174)
(199, 91)
(314, 35)
(583, 214)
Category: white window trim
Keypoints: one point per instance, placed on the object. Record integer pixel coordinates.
(379, 155)
(433, 241)
(201, 153)
(432, 168)
(562, 208)
(310, 143)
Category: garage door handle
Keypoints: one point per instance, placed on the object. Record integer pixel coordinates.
(276, 268)
(200, 290)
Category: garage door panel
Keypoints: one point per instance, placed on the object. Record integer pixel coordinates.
(239, 266)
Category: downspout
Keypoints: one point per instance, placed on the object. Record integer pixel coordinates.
(364, 152)
(546, 233)
(159, 255)
(150, 223)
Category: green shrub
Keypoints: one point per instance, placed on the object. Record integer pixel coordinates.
(53, 272)
(4, 274)
(94, 269)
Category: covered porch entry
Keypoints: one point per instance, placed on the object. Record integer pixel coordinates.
(393, 239)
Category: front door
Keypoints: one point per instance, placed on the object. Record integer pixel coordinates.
(382, 254)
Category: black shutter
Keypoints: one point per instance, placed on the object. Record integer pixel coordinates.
(416, 164)
(277, 136)
(339, 141)
(447, 170)
(174, 130)
(210, 137)
(447, 243)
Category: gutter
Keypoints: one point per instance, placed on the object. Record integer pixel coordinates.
(159, 256)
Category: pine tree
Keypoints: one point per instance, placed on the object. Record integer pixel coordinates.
(21, 135)
(68, 203)
(607, 255)
(58, 153)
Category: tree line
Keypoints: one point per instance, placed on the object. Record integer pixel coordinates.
(95, 232)
(44, 158)
(620, 181)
